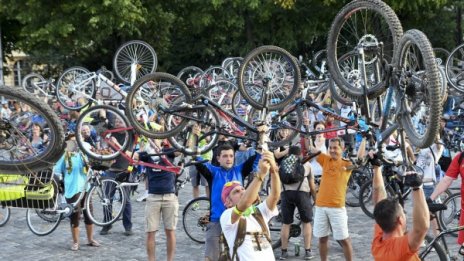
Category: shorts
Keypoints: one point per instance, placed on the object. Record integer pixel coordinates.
(213, 233)
(196, 178)
(299, 199)
(428, 190)
(159, 206)
(327, 220)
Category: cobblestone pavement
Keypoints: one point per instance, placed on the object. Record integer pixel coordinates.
(18, 243)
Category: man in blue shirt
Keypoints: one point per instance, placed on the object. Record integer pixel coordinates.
(216, 178)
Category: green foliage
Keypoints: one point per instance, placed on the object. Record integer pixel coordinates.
(190, 32)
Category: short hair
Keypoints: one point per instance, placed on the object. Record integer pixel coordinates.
(225, 146)
(340, 141)
(386, 213)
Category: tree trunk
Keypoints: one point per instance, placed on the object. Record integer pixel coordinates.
(458, 25)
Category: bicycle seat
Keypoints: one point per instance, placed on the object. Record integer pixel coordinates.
(435, 207)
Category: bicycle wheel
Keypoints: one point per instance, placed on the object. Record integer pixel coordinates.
(272, 72)
(232, 64)
(455, 68)
(42, 222)
(159, 93)
(105, 202)
(365, 197)
(17, 153)
(449, 218)
(75, 88)
(419, 82)
(441, 55)
(209, 123)
(357, 179)
(319, 61)
(195, 218)
(30, 82)
(366, 22)
(5, 214)
(213, 74)
(137, 53)
(436, 252)
(222, 92)
(285, 126)
(190, 76)
(103, 132)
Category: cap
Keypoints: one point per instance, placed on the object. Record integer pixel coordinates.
(228, 187)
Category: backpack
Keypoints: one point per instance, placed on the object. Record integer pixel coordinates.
(224, 254)
(291, 170)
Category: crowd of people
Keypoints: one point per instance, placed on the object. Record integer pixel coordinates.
(232, 164)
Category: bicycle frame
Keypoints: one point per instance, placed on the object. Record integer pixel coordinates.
(167, 167)
(440, 237)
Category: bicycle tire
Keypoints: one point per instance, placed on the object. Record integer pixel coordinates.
(449, 218)
(438, 253)
(455, 70)
(196, 212)
(387, 29)
(158, 91)
(222, 92)
(319, 58)
(443, 85)
(290, 120)
(108, 194)
(357, 179)
(279, 77)
(441, 55)
(189, 72)
(208, 120)
(213, 74)
(138, 52)
(43, 222)
(18, 154)
(412, 44)
(30, 81)
(365, 197)
(69, 91)
(101, 119)
(5, 214)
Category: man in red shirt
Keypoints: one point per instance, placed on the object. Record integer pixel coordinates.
(455, 169)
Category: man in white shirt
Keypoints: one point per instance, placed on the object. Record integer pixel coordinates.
(239, 203)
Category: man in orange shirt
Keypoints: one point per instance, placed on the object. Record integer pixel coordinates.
(330, 212)
(391, 241)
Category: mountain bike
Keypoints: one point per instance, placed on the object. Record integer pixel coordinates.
(17, 153)
(404, 64)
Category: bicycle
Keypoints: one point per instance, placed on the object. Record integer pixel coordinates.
(174, 107)
(403, 64)
(36, 84)
(103, 194)
(436, 247)
(17, 153)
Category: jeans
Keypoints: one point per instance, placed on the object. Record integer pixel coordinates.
(127, 212)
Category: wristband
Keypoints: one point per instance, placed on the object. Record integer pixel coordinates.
(259, 178)
(416, 188)
(236, 211)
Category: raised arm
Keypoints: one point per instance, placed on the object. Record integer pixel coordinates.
(420, 219)
(251, 193)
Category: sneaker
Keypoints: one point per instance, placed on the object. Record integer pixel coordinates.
(195, 206)
(284, 255)
(308, 255)
(105, 230)
(128, 232)
(143, 197)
